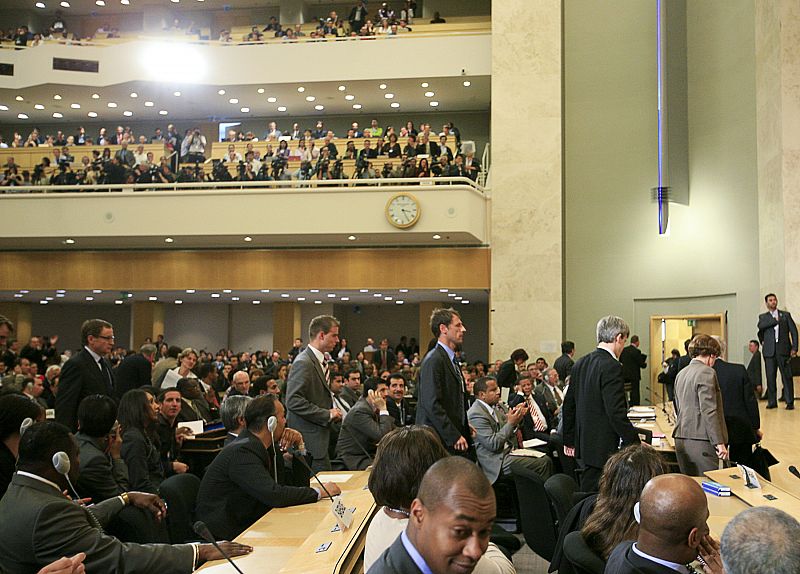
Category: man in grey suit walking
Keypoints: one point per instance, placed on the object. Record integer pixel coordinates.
(308, 398)
(778, 335)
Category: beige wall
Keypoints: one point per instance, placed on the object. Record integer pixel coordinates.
(615, 260)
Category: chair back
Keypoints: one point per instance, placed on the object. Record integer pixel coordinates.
(537, 516)
(560, 489)
(180, 493)
(582, 559)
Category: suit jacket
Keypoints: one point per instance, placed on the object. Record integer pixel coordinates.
(699, 411)
(738, 397)
(350, 396)
(80, 378)
(133, 372)
(394, 410)
(528, 427)
(507, 375)
(143, 459)
(102, 477)
(784, 345)
(442, 402)
(563, 365)
(40, 526)
(308, 401)
(494, 438)
(754, 369)
(548, 398)
(395, 560)
(361, 430)
(433, 149)
(595, 409)
(623, 560)
(390, 358)
(633, 361)
(239, 487)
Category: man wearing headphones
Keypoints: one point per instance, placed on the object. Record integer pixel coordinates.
(41, 525)
(256, 473)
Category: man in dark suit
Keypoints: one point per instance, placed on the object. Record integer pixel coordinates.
(673, 530)
(401, 410)
(550, 392)
(41, 525)
(442, 393)
(352, 386)
(754, 367)
(778, 335)
(564, 363)
(538, 421)
(308, 398)
(633, 361)
(741, 409)
(427, 147)
(364, 426)
(134, 371)
(595, 411)
(453, 491)
(508, 374)
(384, 358)
(87, 373)
(248, 478)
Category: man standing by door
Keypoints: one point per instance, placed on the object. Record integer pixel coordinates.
(778, 335)
(633, 361)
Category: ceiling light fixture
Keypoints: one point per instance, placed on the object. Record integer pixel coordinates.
(118, 302)
(67, 241)
(261, 90)
(190, 291)
(465, 302)
(285, 295)
(310, 98)
(281, 108)
(22, 116)
(458, 298)
(43, 302)
(467, 83)
(265, 290)
(452, 294)
(429, 94)
(178, 302)
(319, 108)
(92, 114)
(64, 4)
(245, 110)
(395, 105)
(149, 104)
(382, 86)
(19, 98)
(227, 291)
(248, 238)
(433, 104)
(331, 295)
(345, 298)
(215, 295)
(89, 298)
(403, 290)
(75, 106)
(111, 104)
(3, 108)
(40, 5)
(301, 89)
(388, 298)
(443, 290)
(127, 113)
(176, 94)
(378, 295)
(152, 298)
(38, 106)
(163, 112)
(133, 95)
(363, 290)
(317, 302)
(232, 298)
(256, 302)
(313, 290)
(57, 97)
(301, 298)
(125, 2)
(424, 84)
(221, 92)
(97, 291)
(437, 236)
(24, 291)
(352, 237)
(349, 97)
(399, 302)
(233, 101)
(356, 106)
(272, 100)
(168, 240)
(388, 96)
(342, 88)
(100, 2)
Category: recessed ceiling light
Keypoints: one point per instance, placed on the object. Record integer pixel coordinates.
(352, 237)
(465, 302)
(56, 97)
(127, 113)
(178, 301)
(67, 241)
(256, 302)
(149, 104)
(100, 2)
(65, 4)
(40, 5)
(395, 105)
(345, 298)
(19, 98)
(388, 96)
(245, 110)
(48, 298)
(265, 290)
(75, 106)
(281, 108)
(285, 295)
(467, 83)
(272, 100)
(215, 295)
(356, 106)
(38, 106)
(162, 112)
(233, 101)
(437, 236)
(133, 95)
(433, 104)
(234, 298)
(363, 290)
(424, 84)
(443, 290)
(319, 108)
(152, 298)
(261, 90)
(227, 291)
(399, 302)
(317, 302)
(3, 108)
(388, 298)
(176, 94)
(22, 116)
(452, 294)
(124, 2)
(378, 295)
(342, 88)
(221, 92)
(301, 89)
(382, 86)
(429, 94)
(24, 291)
(112, 104)
(313, 290)
(458, 298)
(331, 295)
(97, 291)
(310, 98)
(403, 290)
(168, 240)
(92, 114)
(59, 295)
(89, 298)
(301, 298)
(118, 302)
(60, 291)
(349, 97)
(190, 291)
(43, 302)
(248, 238)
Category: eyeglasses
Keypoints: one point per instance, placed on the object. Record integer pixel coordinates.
(107, 338)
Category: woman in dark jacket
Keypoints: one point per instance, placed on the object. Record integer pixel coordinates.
(138, 415)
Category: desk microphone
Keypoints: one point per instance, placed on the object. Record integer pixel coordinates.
(793, 470)
(203, 532)
(294, 452)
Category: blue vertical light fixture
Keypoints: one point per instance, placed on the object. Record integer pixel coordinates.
(661, 191)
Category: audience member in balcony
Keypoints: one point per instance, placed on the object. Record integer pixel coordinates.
(368, 29)
(427, 147)
(197, 146)
(385, 27)
(273, 133)
(60, 139)
(22, 36)
(407, 12)
(442, 168)
(423, 170)
(358, 15)
(124, 155)
(410, 129)
(283, 149)
(472, 166)
(350, 152)
(116, 138)
(139, 156)
(444, 149)
(457, 169)
(330, 146)
(319, 131)
(158, 137)
(410, 148)
(102, 138)
(391, 148)
(232, 156)
(80, 137)
(255, 35)
(385, 12)
(273, 26)
(298, 31)
(437, 19)
(295, 133)
(374, 129)
(367, 152)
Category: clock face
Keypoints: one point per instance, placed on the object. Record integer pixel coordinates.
(403, 210)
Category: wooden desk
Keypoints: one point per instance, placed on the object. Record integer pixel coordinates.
(286, 539)
(757, 496)
(720, 510)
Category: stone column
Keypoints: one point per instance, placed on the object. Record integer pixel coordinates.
(147, 320)
(526, 308)
(286, 326)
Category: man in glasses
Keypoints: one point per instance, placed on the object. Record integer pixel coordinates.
(87, 373)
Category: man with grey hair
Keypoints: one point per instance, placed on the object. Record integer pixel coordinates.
(761, 539)
(595, 410)
(232, 414)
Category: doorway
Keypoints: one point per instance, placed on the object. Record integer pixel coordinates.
(668, 332)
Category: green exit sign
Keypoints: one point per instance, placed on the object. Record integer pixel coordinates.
(691, 322)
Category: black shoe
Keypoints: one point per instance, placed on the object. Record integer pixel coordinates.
(772, 406)
(790, 407)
